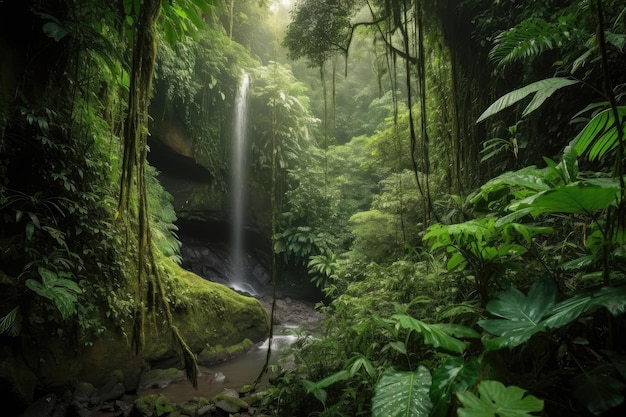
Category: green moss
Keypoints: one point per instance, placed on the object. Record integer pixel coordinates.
(240, 348)
(190, 408)
(218, 353)
(155, 405)
(206, 310)
(227, 397)
(206, 313)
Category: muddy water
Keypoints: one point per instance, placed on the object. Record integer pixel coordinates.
(232, 374)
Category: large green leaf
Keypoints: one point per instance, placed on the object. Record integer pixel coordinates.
(611, 298)
(61, 291)
(543, 89)
(456, 374)
(600, 135)
(522, 314)
(598, 390)
(438, 334)
(402, 394)
(496, 400)
(581, 197)
(329, 380)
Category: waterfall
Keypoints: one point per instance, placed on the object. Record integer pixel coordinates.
(238, 188)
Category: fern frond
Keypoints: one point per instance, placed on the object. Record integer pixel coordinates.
(531, 38)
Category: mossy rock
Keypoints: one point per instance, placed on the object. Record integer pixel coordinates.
(192, 408)
(211, 312)
(214, 354)
(204, 312)
(155, 405)
(229, 401)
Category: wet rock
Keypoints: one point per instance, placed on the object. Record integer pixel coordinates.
(206, 410)
(160, 378)
(42, 407)
(153, 406)
(229, 401)
(219, 353)
(112, 389)
(289, 311)
(191, 408)
(82, 394)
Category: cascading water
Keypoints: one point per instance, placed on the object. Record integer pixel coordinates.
(238, 188)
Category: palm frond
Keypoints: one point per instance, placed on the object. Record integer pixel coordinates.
(530, 39)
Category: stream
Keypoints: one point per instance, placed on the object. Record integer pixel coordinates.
(291, 316)
(232, 374)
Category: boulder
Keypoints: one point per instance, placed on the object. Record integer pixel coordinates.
(160, 378)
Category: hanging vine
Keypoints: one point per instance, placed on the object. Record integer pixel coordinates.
(150, 289)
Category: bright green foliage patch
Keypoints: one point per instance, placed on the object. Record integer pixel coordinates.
(496, 400)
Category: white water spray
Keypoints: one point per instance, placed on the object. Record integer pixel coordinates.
(238, 187)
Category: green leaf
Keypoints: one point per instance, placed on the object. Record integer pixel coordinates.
(522, 315)
(567, 311)
(579, 263)
(599, 136)
(402, 394)
(437, 335)
(544, 89)
(398, 346)
(362, 362)
(456, 374)
(329, 380)
(10, 324)
(598, 391)
(454, 261)
(611, 298)
(496, 400)
(576, 198)
(55, 30)
(318, 393)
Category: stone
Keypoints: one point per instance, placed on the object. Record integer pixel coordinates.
(160, 378)
(229, 401)
(42, 407)
(206, 410)
(153, 406)
(112, 389)
(82, 394)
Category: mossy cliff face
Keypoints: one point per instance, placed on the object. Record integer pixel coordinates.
(206, 313)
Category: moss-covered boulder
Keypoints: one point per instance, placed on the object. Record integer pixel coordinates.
(155, 405)
(206, 313)
(218, 353)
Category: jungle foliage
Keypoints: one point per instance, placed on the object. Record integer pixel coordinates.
(457, 193)
(82, 251)
(511, 302)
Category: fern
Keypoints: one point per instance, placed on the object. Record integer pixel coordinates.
(530, 39)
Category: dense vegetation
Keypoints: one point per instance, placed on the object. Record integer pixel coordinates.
(449, 174)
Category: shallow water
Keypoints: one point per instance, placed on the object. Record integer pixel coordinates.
(232, 374)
